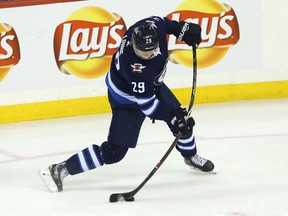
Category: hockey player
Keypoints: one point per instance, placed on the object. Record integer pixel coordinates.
(136, 90)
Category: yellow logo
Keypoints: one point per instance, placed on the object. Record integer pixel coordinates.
(220, 31)
(9, 49)
(85, 42)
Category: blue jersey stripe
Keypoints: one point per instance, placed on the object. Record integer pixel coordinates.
(117, 94)
(147, 105)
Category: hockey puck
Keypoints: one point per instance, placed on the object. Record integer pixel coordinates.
(121, 197)
(129, 198)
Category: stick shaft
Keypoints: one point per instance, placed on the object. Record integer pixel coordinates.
(158, 164)
(193, 93)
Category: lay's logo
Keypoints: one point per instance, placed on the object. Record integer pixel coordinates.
(220, 31)
(84, 47)
(9, 49)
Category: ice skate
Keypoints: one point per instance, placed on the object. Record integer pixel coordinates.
(54, 176)
(198, 163)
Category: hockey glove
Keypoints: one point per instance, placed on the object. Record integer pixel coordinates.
(183, 123)
(190, 33)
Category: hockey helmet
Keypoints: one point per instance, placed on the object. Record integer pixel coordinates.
(145, 37)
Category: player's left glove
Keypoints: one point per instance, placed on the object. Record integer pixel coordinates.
(190, 33)
(185, 124)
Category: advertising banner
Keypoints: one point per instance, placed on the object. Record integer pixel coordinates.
(62, 51)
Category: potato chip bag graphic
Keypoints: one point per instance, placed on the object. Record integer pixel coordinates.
(9, 49)
(220, 30)
(85, 42)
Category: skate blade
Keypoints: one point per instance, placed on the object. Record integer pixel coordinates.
(48, 180)
(198, 170)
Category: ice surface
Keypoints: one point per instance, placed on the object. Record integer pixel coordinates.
(247, 141)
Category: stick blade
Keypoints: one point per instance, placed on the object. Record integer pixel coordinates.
(114, 198)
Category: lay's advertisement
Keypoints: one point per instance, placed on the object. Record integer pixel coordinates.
(63, 51)
(84, 45)
(9, 49)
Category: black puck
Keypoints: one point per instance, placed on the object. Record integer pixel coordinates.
(129, 198)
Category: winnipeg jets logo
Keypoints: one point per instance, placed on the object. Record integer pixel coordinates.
(160, 78)
(137, 67)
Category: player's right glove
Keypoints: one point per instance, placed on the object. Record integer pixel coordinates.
(184, 124)
(190, 33)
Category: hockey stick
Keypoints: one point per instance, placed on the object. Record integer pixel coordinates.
(129, 196)
(194, 47)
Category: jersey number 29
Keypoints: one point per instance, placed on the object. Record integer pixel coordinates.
(138, 87)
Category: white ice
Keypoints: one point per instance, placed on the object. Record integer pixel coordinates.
(247, 141)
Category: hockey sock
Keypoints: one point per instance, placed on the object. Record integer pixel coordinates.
(87, 159)
(187, 145)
